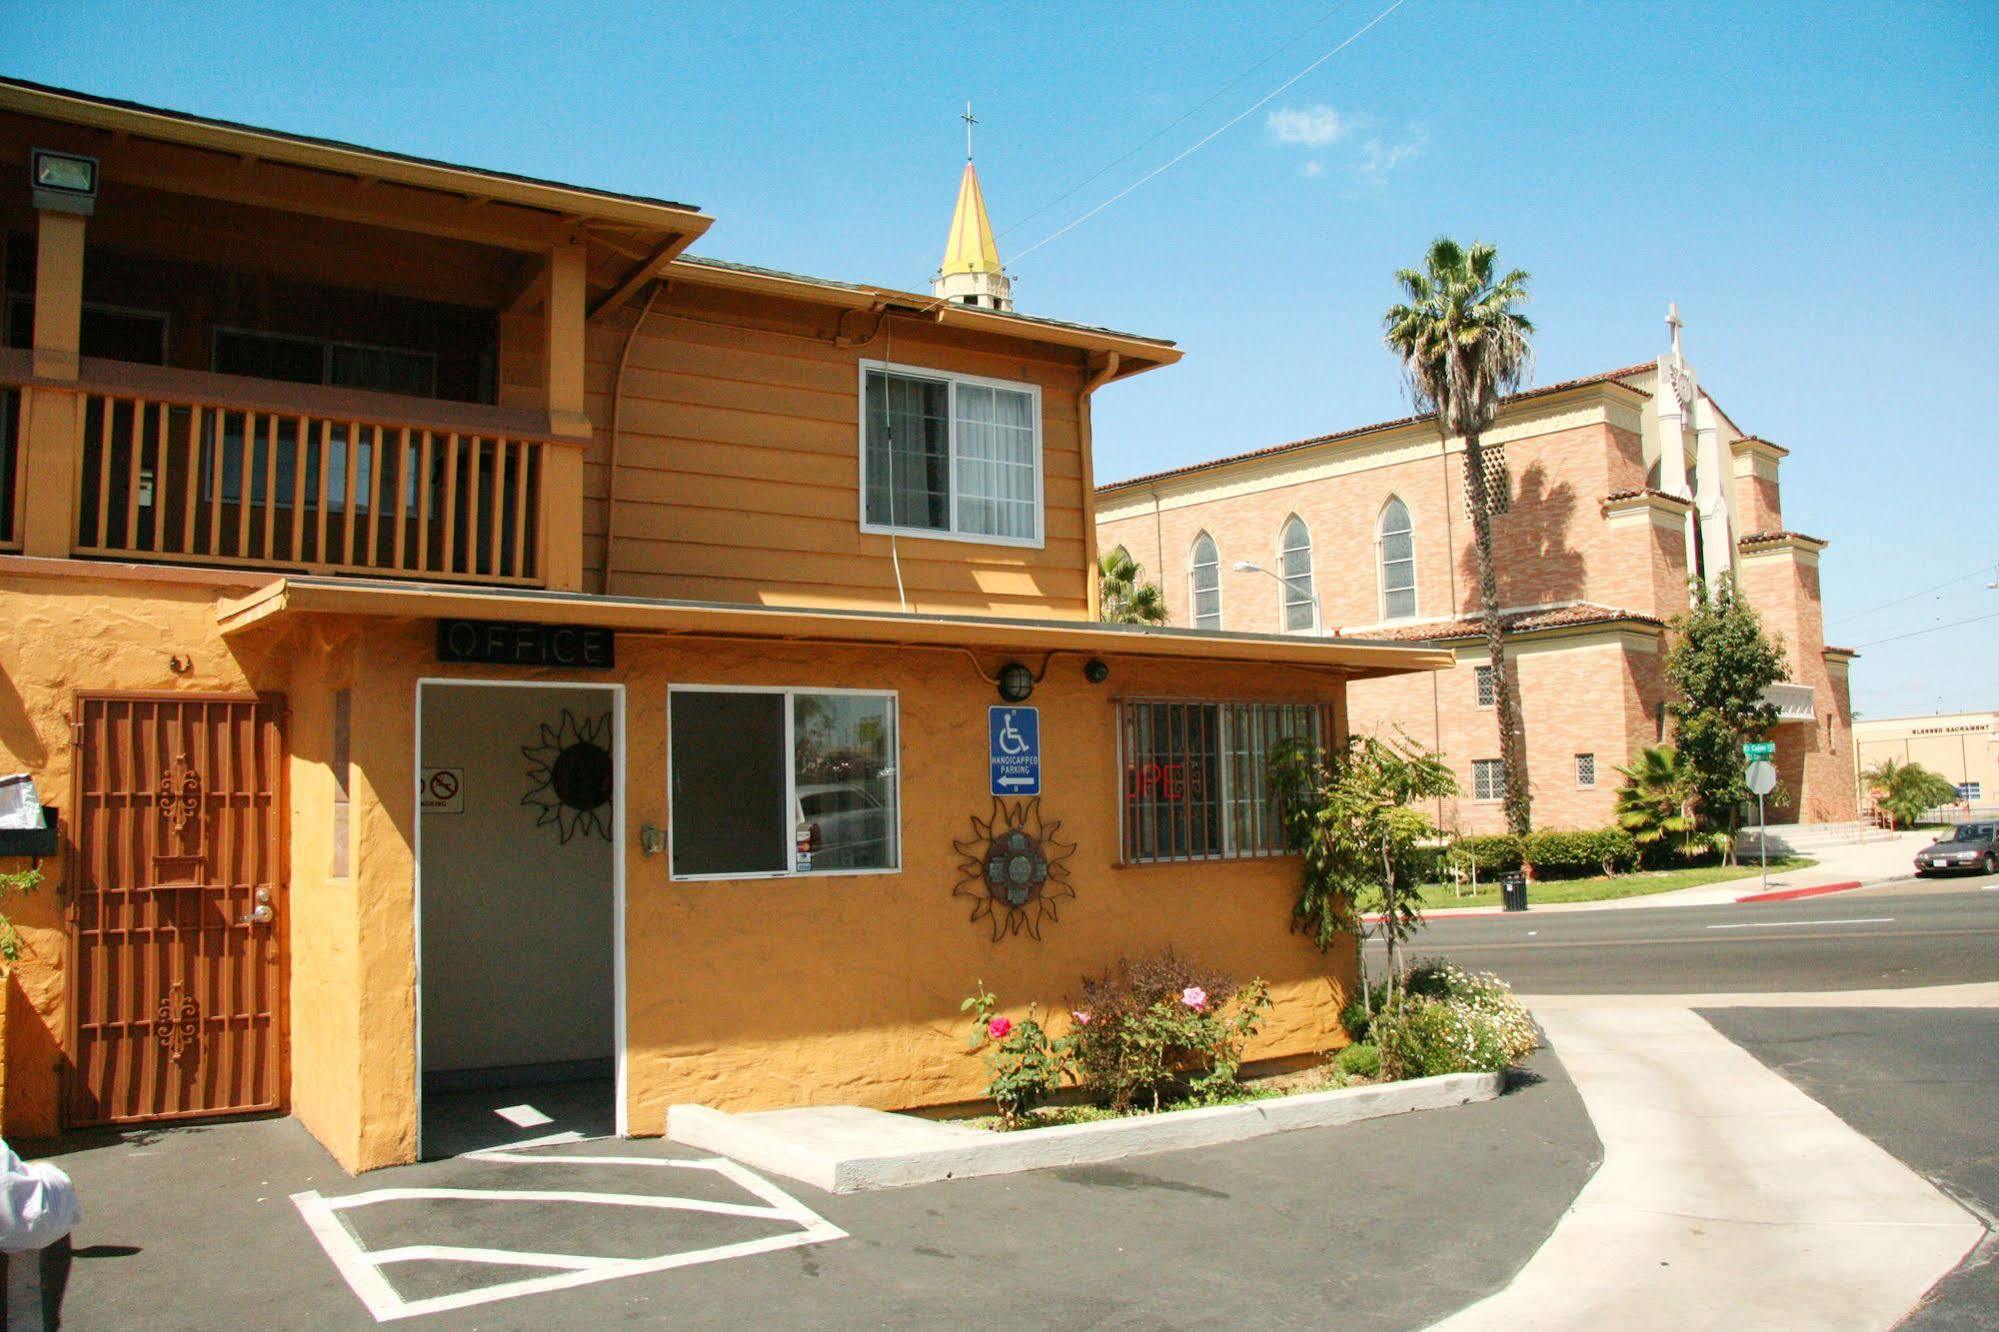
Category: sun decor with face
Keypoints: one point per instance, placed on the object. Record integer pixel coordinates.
(570, 776)
(1012, 868)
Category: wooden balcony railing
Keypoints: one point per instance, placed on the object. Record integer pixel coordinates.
(214, 470)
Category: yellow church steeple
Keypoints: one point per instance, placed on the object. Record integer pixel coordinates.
(971, 273)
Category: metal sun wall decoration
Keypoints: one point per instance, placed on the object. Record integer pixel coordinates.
(570, 776)
(1012, 868)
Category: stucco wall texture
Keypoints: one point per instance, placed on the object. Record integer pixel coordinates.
(740, 994)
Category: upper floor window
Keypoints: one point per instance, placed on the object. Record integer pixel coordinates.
(1204, 582)
(1294, 557)
(1482, 682)
(1488, 779)
(950, 455)
(1396, 536)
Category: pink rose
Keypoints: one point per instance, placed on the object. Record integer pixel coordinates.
(1194, 997)
(998, 1028)
(1082, 1017)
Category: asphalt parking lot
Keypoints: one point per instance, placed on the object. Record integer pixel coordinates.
(1389, 1223)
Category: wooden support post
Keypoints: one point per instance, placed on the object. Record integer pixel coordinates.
(53, 432)
(562, 472)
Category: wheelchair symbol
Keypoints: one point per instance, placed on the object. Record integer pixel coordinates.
(1011, 741)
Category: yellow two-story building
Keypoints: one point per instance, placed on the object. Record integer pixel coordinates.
(465, 641)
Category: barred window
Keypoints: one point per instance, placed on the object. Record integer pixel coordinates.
(1196, 775)
(1488, 779)
(1482, 680)
(1585, 770)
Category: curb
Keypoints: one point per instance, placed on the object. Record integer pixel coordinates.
(761, 1140)
(1793, 894)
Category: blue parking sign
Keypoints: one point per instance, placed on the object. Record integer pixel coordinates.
(1015, 746)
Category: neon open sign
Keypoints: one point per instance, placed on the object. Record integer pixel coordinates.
(1164, 781)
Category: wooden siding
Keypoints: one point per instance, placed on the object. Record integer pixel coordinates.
(739, 458)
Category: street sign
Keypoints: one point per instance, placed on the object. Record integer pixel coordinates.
(1761, 778)
(1014, 736)
(1759, 749)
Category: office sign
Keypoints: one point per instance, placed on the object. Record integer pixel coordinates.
(511, 643)
(1014, 746)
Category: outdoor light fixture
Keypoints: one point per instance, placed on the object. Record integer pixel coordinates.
(1096, 670)
(64, 182)
(1016, 682)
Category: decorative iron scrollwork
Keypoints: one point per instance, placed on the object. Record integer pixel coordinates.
(1012, 868)
(177, 1024)
(180, 794)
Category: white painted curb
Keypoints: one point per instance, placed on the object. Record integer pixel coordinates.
(764, 1142)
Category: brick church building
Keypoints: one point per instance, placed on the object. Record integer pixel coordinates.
(1622, 485)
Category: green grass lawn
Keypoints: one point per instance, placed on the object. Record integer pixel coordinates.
(1605, 887)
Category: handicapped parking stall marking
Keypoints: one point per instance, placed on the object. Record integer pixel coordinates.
(363, 1267)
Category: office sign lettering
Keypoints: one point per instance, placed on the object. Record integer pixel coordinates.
(509, 643)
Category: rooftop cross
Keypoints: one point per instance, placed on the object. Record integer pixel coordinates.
(1672, 307)
(970, 121)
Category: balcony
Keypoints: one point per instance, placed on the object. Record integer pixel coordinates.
(1792, 701)
(196, 468)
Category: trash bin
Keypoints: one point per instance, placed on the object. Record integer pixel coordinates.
(1513, 892)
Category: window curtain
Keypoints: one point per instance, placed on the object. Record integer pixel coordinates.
(908, 452)
(995, 462)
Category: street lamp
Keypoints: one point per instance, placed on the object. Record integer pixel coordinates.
(1318, 620)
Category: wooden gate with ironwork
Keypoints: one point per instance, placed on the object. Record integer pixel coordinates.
(177, 898)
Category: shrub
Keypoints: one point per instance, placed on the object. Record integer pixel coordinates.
(1358, 1061)
(1026, 1064)
(1484, 994)
(1424, 1038)
(1556, 854)
(1491, 855)
(1147, 1027)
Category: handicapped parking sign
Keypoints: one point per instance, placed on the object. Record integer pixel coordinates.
(1015, 747)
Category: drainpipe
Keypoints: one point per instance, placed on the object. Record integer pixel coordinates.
(617, 398)
(1094, 588)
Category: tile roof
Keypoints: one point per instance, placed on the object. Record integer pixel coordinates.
(1527, 395)
(1771, 538)
(1653, 491)
(1514, 622)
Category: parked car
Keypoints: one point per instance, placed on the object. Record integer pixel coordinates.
(842, 826)
(1970, 846)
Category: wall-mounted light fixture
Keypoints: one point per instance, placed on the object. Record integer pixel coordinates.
(1016, 682)
(1096, 670)
(652, 839)
(64, 182)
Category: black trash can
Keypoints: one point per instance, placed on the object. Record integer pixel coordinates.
(1513, 892)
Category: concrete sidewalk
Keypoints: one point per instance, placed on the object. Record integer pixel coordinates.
(1881, 857)
(1726, 1198)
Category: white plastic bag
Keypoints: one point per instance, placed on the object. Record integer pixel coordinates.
(19, 805)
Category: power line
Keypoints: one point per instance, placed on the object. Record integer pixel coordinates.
(1214, 134)
(1211, 99)
(1935, 628)
(1948, 582)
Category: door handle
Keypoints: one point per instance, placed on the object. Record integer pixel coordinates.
(261, 913)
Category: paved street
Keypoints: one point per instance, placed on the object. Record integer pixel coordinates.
(1391, 1223)
(1913, 932)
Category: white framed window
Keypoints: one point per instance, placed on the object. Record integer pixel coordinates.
(1488, 779)
(781, 782)
(1298, 606)
(1197, 775)
(1395, 538)
(1484, 684)
(1204, 582)
(949, 455)
(1585, 770)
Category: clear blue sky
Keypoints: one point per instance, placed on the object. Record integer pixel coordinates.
(1816, 185)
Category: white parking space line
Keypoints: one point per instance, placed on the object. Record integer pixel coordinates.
(361, 1267)
(1808, 924)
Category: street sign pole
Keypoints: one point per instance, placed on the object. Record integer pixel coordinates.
(1763, 841)
(1761, 779)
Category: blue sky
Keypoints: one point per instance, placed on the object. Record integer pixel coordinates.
(1816, 185)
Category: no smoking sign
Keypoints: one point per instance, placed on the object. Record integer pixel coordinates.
(443, 791)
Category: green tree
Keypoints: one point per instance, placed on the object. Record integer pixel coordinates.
(1905, 790)
(1354, 817)
(1719, 668)
(1124, 596)
(1656, 804)
(1464, 346)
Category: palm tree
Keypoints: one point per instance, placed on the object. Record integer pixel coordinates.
(1905, 790)
(1124, 599)
(1464, 346)
(1657, 803)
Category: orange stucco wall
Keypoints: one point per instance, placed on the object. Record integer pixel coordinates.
(740, 994)
(770, 992)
